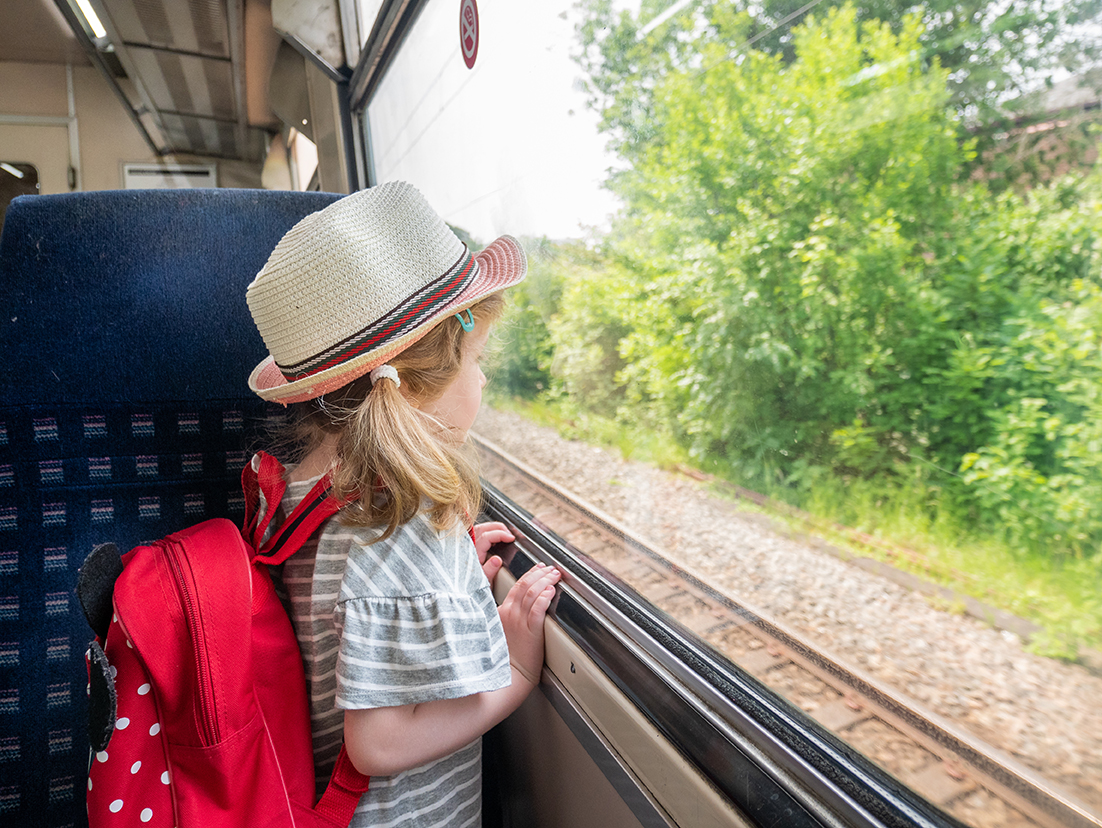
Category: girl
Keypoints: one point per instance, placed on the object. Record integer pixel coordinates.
(376, 316)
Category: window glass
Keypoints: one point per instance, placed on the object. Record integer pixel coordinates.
(815, 293)
(507, 146)
(367, 10)
(16, 179)
(304, 161)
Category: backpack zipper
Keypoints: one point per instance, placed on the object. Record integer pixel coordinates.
(208, 721)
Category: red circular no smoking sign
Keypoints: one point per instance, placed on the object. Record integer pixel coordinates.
(468, 31)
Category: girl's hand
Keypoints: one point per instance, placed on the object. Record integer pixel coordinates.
(522, 615)
(485, 536)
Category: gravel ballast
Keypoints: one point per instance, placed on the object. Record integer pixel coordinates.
(1044, 712)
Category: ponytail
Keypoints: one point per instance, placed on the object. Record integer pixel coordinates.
(394, 459)
(409, 461)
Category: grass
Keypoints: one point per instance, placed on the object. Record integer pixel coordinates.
(644, 445)
(911, 524)
(1062, 595)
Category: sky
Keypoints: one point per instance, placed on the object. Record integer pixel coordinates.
(509, 146)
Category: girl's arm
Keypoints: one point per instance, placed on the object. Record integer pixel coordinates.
(385, 740)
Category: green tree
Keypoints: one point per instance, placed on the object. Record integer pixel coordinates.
(803, 282)
(781, 212)
(998, 57)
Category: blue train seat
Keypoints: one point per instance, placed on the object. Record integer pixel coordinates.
(124, 415)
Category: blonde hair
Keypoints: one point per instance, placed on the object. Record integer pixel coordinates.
(393, 458)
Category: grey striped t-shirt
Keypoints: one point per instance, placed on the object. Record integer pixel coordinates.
(407, 620)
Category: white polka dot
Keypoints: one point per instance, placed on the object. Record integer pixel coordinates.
(153, 731)
(122, 723)
(164, 778)
(147, 815)
(143, 689)
(89, 783)
(102, 756)
(137, 766)
(128, 644)
(115, 806)
(115, 617)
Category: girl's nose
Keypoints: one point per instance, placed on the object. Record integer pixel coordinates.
(481, 379)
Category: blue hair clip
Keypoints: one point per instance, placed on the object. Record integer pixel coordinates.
(468, 323)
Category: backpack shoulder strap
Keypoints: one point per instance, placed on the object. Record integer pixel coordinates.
(343, 792)
(316, 508)
(264, 475)
(346, 785)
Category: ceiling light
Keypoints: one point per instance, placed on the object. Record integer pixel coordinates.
(91, 18)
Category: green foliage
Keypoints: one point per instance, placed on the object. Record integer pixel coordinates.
(520, 360)
(801, 286)
(993, 54)
(632, 442)
(1041, 471)
(1070, 624)
(1008, 256)
(807, 291)
(586, 334)
(781, 214)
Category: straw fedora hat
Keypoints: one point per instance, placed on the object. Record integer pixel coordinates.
(358, 282)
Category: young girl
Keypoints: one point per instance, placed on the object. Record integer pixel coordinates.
(376, 316)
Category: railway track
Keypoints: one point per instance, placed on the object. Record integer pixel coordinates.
(969, 779)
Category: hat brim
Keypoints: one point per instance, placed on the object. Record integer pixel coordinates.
(501, 264)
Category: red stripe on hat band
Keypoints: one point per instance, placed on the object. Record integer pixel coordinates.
(357, 347)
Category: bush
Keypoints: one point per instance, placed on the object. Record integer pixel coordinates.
(520, 360)
(1039, 477)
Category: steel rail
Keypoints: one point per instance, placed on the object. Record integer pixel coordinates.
(1000, 774)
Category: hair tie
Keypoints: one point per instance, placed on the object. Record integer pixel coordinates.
(385, 370)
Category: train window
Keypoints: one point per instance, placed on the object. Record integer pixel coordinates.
(815, 299)
(367, 11)
(304, 161)
(16, 179)
(504, 138)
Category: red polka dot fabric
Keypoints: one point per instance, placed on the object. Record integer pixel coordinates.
(128, 783)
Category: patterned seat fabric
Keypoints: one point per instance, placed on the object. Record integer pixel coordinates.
(124, 415)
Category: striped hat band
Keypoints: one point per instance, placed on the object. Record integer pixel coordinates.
(402, 320)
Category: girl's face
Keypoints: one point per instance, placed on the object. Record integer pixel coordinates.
(458, 405)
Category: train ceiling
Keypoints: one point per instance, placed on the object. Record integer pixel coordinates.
(35, 31)
(194, 73)
(187, 61)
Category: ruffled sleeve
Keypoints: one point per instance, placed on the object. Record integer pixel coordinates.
(441, 639)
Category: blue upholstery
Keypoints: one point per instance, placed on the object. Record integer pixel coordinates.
(124, 415)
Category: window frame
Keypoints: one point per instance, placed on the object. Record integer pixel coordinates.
(773, 758)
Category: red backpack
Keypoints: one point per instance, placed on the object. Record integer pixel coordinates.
(198, 711)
